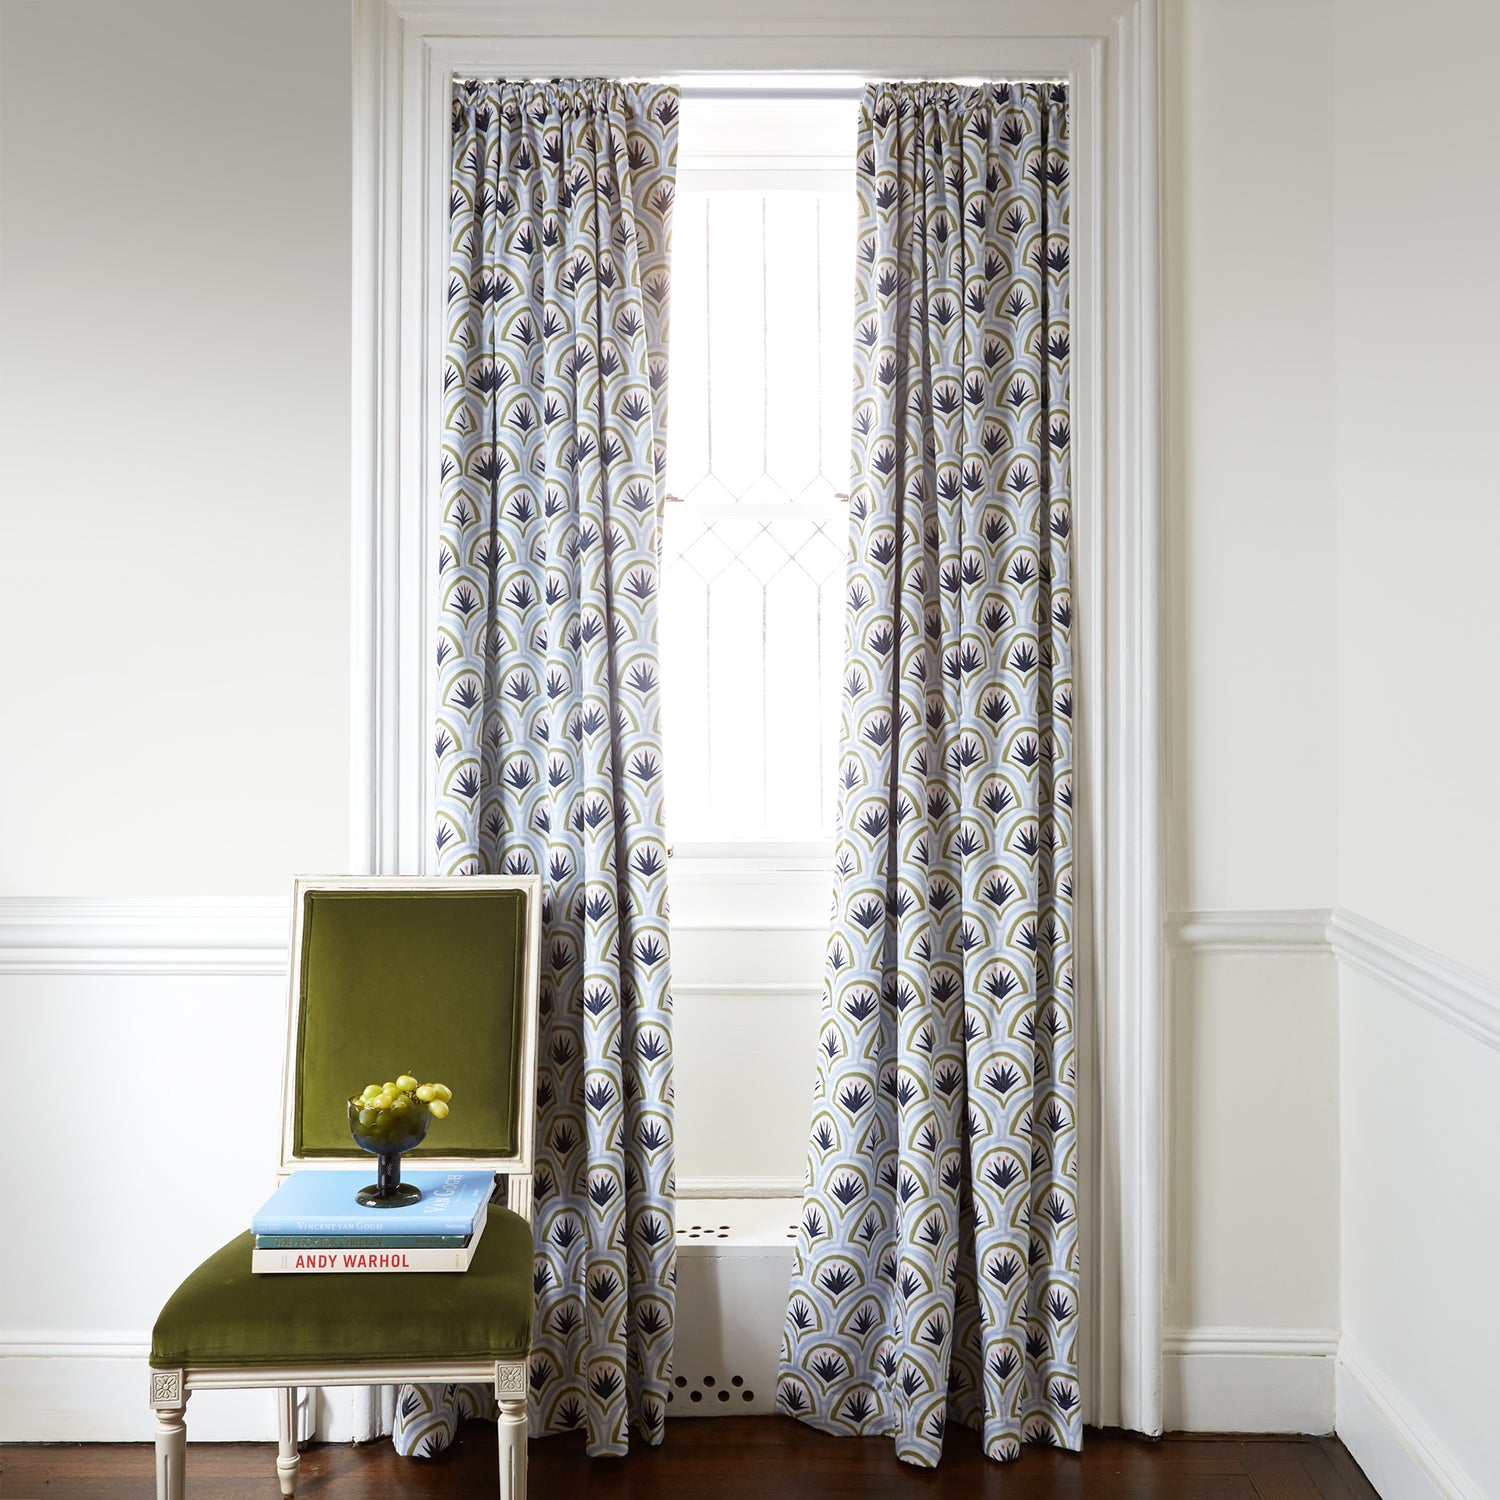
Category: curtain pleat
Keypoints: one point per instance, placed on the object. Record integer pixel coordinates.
(548, 745)
(936, 1270)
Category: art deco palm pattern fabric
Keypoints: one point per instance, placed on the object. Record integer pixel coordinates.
(428, 1416)
(936, 1273)
(548, 744)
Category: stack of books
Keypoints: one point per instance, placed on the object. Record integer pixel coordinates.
(312, 1224)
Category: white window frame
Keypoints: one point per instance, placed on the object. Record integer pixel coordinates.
(406, 54)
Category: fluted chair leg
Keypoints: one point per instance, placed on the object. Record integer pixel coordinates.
(169, 1397)
(288, 1460)
(510, 1393)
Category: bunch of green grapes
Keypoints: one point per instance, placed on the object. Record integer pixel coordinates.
(395, 1109)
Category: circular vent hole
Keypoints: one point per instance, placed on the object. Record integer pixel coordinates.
(696, 1396)
(680, 1381)
(736, 1380)
(708, 1381)
(744, 1396)
(723, 1395)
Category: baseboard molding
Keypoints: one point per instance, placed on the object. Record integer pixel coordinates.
(1249, 1379)
(95, 1387)
(79, 935)
(1400, 1454)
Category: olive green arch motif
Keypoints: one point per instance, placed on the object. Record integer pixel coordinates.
(547, 747)
(936, 1275)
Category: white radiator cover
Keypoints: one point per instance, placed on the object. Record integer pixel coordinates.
(734, 1266)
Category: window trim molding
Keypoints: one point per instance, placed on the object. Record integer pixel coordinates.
(405, 54)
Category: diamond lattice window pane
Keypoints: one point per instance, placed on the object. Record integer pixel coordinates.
(752, 599)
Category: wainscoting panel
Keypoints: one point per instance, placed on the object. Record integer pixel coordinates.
(182, 1005)
(1391, 989)
(1252, 1206)
(159, 1031)
(747, 973)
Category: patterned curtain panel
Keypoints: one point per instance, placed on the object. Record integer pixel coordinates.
(937, 1260)
(548, 742)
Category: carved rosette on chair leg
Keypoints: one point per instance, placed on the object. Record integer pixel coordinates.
(169, 1398)
(288, 1460)
(510, 1393)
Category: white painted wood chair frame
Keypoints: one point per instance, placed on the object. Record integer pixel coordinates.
(170, 1389)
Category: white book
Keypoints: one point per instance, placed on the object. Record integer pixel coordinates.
(367, 1261)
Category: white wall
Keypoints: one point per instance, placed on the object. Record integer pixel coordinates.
(1418, 324)
(209, 519)
(1418, 486)
(164, 1128)
(1420, 1121)
(174, 445)
(174, 642)
(187, 733)
(1248, 163)
(1252, 1264)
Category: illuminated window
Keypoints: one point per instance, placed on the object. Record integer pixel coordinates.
(757, 479)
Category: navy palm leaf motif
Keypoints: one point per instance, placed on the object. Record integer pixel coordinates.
(548, 759)
(948, 1104)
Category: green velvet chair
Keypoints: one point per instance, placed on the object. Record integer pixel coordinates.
(435, 977)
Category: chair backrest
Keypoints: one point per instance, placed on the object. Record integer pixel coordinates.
(433, 977)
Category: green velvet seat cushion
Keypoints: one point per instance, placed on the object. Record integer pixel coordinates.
(426, 982)
(224, 1315)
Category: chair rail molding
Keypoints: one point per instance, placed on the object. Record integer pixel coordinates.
(79, 935)
(1458, 995)
(1301, 930)
(407, 52)
(1453, 993)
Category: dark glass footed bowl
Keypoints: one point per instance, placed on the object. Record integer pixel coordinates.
(385, 1134)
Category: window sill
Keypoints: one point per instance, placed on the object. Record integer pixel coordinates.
(738, 860)
(758, 887)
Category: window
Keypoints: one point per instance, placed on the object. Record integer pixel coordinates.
(404, 64)
(758, 459)
(757, 471)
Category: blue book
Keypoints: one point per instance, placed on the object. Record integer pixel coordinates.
(311, 1202)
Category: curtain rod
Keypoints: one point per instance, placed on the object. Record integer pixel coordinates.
(730, 93)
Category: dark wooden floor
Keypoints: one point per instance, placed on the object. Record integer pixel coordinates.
(729, 1458)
